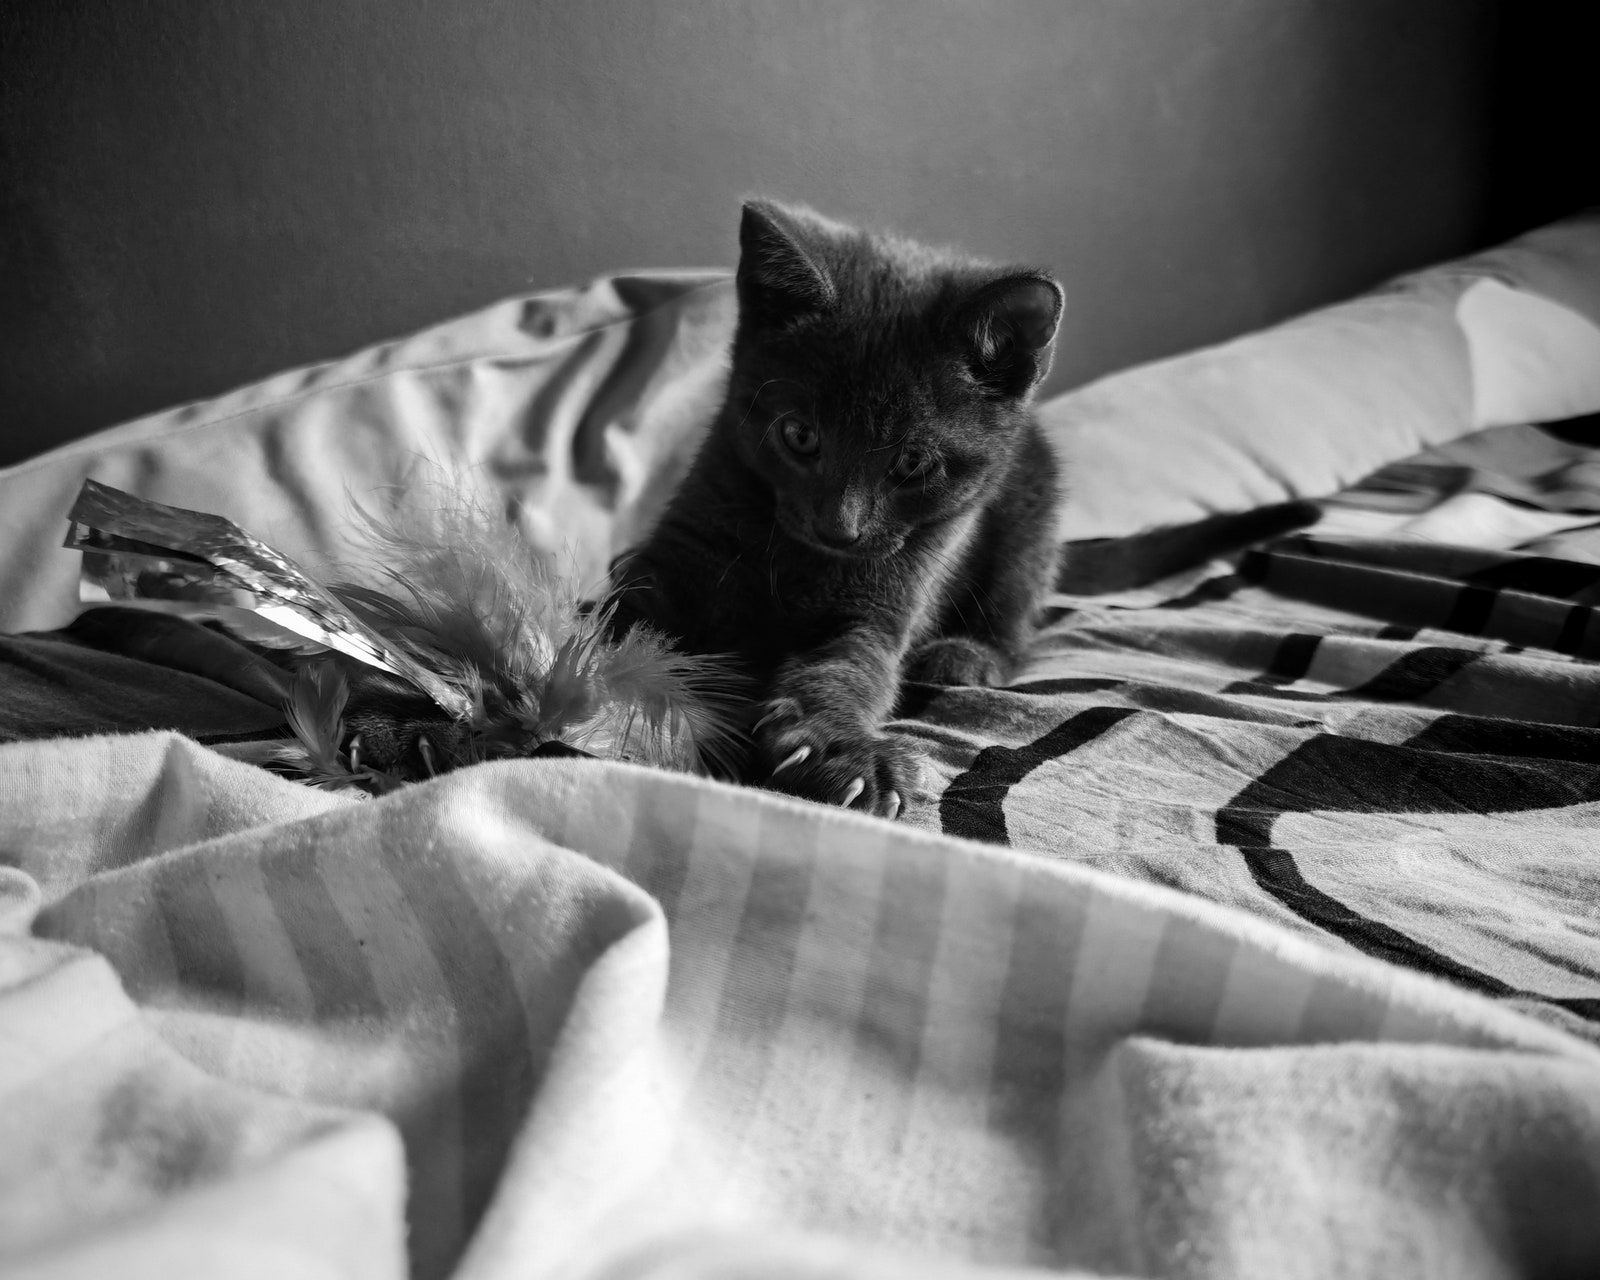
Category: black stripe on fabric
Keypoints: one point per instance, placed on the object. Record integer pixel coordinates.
(248, 735)
(1276, 871)
(1539, 576)
(1585, 430)
(1393, 631)
(1292, 659)
(1332, 774)
(1416, 674)
(1256, 689)
(1082, 684)
(1254, 565)
(915, 698)
(973, 805)
(1347, 775)
(1470, 613)
(1573, 628)
(1514, 739)
(1409, 678)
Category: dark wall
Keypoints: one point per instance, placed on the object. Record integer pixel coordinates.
(199, 194)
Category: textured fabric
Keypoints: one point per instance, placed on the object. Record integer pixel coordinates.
(627, 1023)
(121, 670)
(1390, 744)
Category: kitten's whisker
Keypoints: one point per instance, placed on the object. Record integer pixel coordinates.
(893, 444)
(756, 395)
(770, 425)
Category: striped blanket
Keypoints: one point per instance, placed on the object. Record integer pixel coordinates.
(1387, 744)
(561, 1018)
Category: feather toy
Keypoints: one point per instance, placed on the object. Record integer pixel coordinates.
(448, 642)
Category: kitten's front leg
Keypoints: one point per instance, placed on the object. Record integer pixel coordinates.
(820, 733)
(992, 600)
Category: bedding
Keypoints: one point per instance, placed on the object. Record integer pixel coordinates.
(1305, 408)
(1253, 930)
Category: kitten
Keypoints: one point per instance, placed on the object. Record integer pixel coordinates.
(874, 500)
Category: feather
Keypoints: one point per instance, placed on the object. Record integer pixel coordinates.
(458, 590)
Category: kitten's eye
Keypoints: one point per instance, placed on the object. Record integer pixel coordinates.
(909, 463)
(801, 437)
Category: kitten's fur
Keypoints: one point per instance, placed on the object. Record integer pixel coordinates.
(803, 538)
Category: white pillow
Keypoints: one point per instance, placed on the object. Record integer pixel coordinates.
(575, 411)
(1303, 409)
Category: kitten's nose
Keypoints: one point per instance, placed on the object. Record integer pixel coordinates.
(836, 532)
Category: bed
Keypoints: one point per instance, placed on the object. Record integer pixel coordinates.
(1253, 930)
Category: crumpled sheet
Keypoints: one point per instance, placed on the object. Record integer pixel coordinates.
(566, 1018)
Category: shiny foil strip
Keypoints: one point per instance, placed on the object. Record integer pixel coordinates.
(146, 553)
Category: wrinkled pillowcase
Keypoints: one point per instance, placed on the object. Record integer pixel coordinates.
(574, 411)
(1303, 409)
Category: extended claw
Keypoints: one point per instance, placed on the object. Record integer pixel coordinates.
(425, 749)
(893, 802)
(765, 720)
(852, 792)
(798, 756)
(355, 753)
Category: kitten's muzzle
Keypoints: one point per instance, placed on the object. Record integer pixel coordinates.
(837, 526)
(874, 547)
(835, 539)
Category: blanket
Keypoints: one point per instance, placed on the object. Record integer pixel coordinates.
(1388, 743)
(570, 1018)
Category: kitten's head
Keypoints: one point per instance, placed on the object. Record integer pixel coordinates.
(879, 387)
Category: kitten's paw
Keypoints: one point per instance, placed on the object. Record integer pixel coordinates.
(956, 660)
(853, 768)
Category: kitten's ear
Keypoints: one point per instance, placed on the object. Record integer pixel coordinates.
(780, 276)
(1006, 329)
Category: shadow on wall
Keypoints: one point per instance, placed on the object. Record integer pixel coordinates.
(1544, 118)
(199, 195)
